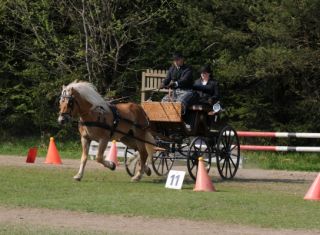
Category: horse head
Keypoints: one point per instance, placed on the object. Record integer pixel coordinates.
(77, 99)
(67, 107)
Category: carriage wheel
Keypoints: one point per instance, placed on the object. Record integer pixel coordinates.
(131, 161)
(162, 163)
(199, 147)
(228, 152)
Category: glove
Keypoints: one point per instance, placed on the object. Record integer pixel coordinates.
(172, 84)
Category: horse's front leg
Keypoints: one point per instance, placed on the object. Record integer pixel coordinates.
(102, 146)
(85, 148)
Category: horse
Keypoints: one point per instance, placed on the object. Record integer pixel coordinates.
(102, 121)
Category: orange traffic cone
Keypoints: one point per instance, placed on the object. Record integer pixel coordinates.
(112, 155)
(32, 153)
(53, 156)
(203, 181)
(314, 191)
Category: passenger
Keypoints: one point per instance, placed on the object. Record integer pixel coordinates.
(206, 87)
(179, 78)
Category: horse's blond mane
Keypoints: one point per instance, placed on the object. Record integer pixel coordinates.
(89, 92)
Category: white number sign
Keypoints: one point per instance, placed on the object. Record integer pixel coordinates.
(175, 179)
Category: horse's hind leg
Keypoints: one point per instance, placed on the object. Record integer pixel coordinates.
(143, 159)
(84, 157)
(146, 151)
(150, 150)
(102, 146)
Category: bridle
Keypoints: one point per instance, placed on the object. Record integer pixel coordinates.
(71, 101)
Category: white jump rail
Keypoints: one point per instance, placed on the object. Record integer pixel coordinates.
(314, 149)
(280, 148)
(278, 134)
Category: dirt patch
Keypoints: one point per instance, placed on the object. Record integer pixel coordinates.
(129, 225)
(242, 174)
(80, 221)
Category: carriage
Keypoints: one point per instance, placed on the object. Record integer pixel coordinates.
(209, 137)
(152, 127)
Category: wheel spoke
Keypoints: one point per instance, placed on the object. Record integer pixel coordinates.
(230, 169)
(226, 169)
(193, 164)
(233, 162)
(162, 166)
(234, 146)
(223, 165)
(158, 166)
(220, 158)
(166, 164)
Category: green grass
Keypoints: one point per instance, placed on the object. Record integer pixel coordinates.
(67, 149)
(263, 203)
(283, 161)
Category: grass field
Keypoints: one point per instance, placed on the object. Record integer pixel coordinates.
(265, 203)
(13, 146)
(265, 160)
(283, 161)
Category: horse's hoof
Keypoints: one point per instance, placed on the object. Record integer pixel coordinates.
(77, 178)
(113, 166)
(147, 170)
(135, 179)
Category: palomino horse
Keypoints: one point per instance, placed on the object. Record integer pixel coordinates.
(101, 121)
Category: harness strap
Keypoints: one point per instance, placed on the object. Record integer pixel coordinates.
(116, 119)
(107, 127)
(96, 124)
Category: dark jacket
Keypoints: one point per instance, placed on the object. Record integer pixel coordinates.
(183, 77)
(208, 91)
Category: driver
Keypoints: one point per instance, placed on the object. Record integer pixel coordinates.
(179, 78)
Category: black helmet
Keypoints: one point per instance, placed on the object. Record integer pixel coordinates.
(206, 69)
(177, 56)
